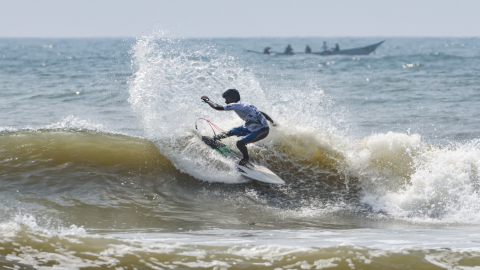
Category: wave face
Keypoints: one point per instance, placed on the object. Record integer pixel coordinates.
(101, 164)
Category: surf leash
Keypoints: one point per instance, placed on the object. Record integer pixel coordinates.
(212, 126)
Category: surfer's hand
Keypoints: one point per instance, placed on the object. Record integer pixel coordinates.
(205, 98)
(274, 123)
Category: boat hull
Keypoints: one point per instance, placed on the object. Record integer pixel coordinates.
(356, 51)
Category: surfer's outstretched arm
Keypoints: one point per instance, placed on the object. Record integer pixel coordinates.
(269, 118)
(212, 104)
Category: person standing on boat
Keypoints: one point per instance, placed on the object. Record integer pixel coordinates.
(288, 50)
(324, 46)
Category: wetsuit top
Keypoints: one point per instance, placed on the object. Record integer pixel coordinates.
(254, 119)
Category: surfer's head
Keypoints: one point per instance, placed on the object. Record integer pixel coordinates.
(231, 96)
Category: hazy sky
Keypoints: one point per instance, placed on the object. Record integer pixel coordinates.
(239, 18)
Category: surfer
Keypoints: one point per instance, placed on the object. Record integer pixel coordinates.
(255, 128)
(337, 48)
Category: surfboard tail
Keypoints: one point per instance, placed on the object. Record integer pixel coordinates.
(260, 173)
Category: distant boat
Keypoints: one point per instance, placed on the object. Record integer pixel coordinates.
(356, 51)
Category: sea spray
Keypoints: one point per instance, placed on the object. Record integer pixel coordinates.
(168, 83)
(172, 74)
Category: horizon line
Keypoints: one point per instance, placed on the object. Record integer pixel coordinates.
(251, 37)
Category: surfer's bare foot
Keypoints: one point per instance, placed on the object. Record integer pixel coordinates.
(243, 161)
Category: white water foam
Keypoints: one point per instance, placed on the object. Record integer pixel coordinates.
(8, 129)
(222, 249)
(412, 180)
(22, 222)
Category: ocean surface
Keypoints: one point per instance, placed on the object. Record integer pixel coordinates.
(101, 166)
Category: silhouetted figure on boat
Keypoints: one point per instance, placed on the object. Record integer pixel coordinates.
(308, 49)
(337, 48)
(288, 50)
(266, 50)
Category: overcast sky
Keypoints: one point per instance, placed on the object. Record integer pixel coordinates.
(240, 18)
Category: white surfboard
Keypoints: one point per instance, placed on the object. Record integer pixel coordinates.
(259, 173)
(252, 169)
